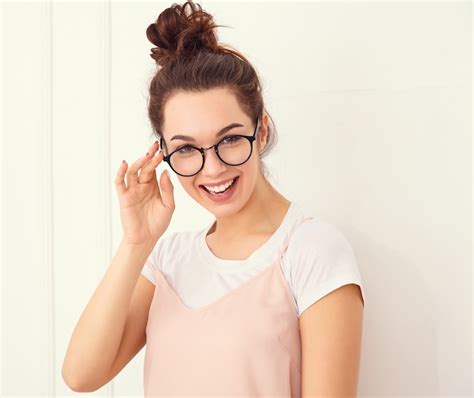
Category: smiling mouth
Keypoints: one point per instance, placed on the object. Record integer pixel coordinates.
(220, 193)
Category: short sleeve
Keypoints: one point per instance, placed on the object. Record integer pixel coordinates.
(322, 260)
(154, 261)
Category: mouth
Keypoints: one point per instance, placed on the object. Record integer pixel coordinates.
(221, 192)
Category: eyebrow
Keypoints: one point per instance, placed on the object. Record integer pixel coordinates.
(219, 133)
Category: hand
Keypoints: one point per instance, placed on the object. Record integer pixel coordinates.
(145, 212)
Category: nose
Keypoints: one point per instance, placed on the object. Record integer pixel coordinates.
(213, 166)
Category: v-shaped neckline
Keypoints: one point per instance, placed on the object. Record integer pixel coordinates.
(227, 295)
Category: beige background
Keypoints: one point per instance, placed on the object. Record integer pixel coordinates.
(372, 101)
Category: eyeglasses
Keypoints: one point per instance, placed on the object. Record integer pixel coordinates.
(232, 150)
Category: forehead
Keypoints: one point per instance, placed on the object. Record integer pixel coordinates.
(201, 115)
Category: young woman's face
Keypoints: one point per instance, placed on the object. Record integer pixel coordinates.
(201, 116)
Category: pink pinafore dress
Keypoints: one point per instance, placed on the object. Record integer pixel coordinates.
(245, 344)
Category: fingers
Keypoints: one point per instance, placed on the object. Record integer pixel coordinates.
(119, 181)
(167, 188)
(147, 172)
(132, 174)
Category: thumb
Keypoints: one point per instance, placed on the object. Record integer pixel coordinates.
(167, 189)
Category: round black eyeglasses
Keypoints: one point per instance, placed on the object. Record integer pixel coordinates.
(232, 150)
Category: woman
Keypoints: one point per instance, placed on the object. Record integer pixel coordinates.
(264, 301)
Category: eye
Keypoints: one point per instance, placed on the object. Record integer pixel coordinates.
(185, 149)
(231, 139)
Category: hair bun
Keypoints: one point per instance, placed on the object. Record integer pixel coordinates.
(181, 29)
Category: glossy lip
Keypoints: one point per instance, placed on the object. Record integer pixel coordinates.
(219, 183)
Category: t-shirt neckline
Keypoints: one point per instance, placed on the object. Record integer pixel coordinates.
(264, 251)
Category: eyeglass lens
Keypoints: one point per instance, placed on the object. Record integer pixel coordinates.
(233, 150)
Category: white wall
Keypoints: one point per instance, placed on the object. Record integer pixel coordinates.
(372, 101)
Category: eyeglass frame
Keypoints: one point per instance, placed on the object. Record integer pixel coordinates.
(250, 138)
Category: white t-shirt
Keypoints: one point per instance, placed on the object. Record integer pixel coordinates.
(318, 260)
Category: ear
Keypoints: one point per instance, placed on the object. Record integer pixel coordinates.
(262, 134)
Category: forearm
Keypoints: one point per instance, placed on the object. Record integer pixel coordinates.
(97, 335)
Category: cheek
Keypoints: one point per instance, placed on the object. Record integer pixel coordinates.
(248, 174)
(188, 184)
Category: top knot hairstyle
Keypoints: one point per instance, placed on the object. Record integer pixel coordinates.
(189, 58)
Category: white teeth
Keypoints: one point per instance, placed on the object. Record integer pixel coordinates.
(220, 188)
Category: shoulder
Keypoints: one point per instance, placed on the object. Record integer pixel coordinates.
(166, 240)
(320, 260)
(178, 239)
(318, 237)
(162, 246)
(169, 250)
(319, 252)
(179, 244)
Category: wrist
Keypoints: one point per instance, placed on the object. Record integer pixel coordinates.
(143, 245)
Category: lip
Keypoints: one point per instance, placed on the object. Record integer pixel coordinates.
(215, 184)
(224, 197)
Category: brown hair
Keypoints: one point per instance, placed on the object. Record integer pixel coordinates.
(189, 58)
